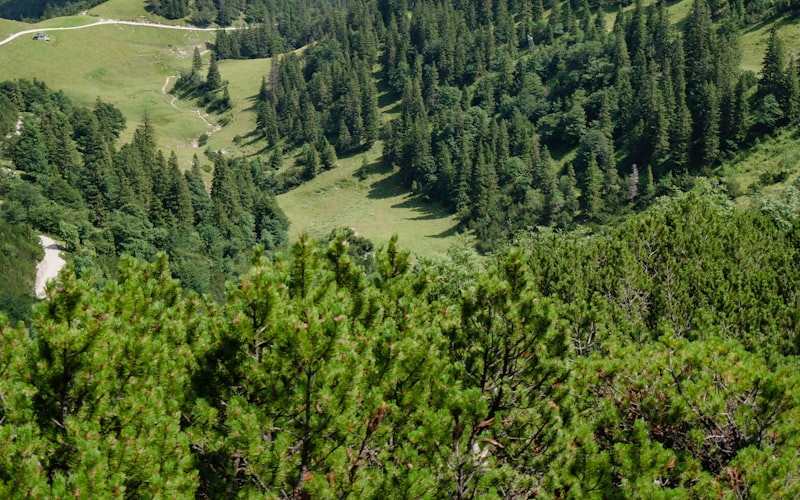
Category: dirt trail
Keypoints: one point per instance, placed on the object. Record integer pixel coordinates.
(48, 268)
(199, 113)
(112, 21)
(166, 84)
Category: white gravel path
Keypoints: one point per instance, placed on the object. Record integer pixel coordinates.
(48, 268)
(112, 21)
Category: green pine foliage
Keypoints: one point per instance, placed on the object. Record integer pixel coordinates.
(655, 360)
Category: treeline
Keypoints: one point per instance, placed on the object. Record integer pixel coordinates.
(658, 360)
(491, 95)
(103, 201)
(35, 10)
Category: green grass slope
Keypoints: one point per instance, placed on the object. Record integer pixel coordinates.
(123, 9)
(373, 204)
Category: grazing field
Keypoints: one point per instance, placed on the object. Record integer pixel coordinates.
(8, 27)
(374, 205)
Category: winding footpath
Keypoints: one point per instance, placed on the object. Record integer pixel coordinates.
(102, 22)
(47, 269)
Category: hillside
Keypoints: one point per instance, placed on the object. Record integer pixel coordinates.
(436, 146)
(601, 206)
(86, 70)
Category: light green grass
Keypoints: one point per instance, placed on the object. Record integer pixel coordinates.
(755, 39)
(63, 22)
(244, 81)
(376, 207)
(9, 27)
(778, 153)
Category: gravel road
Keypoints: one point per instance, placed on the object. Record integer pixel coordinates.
(48, 268)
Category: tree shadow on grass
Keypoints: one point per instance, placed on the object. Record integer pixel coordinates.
(388, 187)
(454, 230)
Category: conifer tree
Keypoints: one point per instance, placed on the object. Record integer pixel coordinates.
(213, 78)
(197, 61)
(592, 193)
(29, 153)
(791, 92)
(740, 116)
(708, 122)
(201, 201)
(179, 198)
(772, 69)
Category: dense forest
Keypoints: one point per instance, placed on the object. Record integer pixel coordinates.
(32, 10)
(72, 181)
(656, 360)
(519, 114)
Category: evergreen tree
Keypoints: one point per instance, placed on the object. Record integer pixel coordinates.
(201, 202)
(708, 122)
(179, 198)
(29, 153)
(213, 78)
(592, 193)
(772, 70)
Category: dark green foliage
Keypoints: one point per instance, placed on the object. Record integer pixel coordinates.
(213, 78)
(43, 9)
(29, 153)
(661, 96)
(171, 9)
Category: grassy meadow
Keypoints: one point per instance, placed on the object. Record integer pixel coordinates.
(373, 204)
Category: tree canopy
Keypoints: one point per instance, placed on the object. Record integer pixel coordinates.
(656, 360)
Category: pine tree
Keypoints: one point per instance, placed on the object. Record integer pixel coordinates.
(647, 187)
(568, 184)
(29, 153)
(772, 70)
(201, 202)
(197, 61)
(179, 197)
(740, 117)
(699, 43)
(327, 154)
(592, 194)
(311, 162)
(213, 78)
(680, 133)
(791, 92)
(708, 122)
